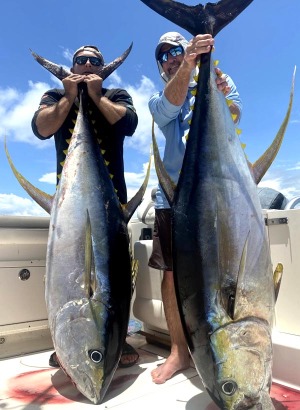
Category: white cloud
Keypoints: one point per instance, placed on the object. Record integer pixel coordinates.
(284, 180)
(49, 178)
(140, 93)
(17, 110)
(11, 204)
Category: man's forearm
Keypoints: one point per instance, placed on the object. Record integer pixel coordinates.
(176, 89)
(51, 118)
(113, 112)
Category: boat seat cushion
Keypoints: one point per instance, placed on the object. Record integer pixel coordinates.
(271, 199)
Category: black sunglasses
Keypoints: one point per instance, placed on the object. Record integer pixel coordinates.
(81, 60)
(174, 51)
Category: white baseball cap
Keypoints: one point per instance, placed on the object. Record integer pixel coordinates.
(173, 38)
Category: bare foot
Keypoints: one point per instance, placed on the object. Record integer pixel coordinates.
(172, 365)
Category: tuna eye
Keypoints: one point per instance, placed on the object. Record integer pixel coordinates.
(229, 388)
(95, 356)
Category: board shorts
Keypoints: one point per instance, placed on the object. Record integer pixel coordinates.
(161, 256)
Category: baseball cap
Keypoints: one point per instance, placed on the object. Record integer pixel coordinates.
(92, 49)
(173, 38)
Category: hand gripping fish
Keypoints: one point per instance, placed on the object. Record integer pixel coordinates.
(222, 267)
(88, 263)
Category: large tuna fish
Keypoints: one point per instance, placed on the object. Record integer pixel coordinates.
(222, 267)
(88, 266)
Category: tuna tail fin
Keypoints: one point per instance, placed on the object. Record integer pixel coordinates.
(61, 73)
(260, 167)
(40, 197)
(135, 201)
(55, 69)
(109, 68)
(210, 18)
(167, 184)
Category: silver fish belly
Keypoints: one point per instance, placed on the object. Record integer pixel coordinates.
(87, 295)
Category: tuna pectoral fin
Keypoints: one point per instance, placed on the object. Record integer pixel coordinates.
(135, 201)
(209, 18)
(89, 267)
(260, 167)
(40, 197)
(165, 181)
(234, 303)
(277, 278)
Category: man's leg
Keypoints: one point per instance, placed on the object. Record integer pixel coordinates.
(179, 358)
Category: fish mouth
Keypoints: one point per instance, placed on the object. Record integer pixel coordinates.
(94, 393)
(250, 403)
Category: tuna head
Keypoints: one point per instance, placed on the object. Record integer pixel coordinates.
(243, 365)
(87, 346)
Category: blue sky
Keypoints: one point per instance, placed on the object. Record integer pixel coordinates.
(259, 50)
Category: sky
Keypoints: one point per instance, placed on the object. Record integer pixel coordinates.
(259, 50)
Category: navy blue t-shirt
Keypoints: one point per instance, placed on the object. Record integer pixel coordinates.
(110, 137)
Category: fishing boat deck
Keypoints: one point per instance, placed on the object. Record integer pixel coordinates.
(28, 382)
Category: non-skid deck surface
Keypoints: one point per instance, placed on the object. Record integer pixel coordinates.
(28, 383)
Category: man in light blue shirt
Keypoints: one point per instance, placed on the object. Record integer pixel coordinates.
(171, 110)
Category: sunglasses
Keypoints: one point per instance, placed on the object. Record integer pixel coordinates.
(81, 60)
(174, 51)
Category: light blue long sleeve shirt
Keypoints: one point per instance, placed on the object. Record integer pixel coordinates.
(173, 121)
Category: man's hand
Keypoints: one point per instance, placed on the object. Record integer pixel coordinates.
(221, 82)
(94, 85)
(200, 44)
(70, 84)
